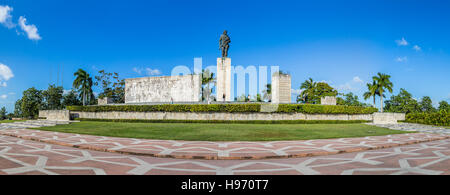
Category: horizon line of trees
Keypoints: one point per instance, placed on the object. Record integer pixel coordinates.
(112, 86)
(312, 92)
(55, 98)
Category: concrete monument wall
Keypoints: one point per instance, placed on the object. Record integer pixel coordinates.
(163, 89)
(388, 118)
(217, 116)
(281, 89)
(224, 79)
(105, 101)
(55, 115)
(328, 100)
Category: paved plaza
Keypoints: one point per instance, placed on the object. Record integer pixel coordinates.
(415, 127)
(222, 150)
(25, 151)
(18, 156)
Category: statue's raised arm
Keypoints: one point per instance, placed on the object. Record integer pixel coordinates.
(224, 44)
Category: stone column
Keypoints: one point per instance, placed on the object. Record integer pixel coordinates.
(281, 88)
(224, 79)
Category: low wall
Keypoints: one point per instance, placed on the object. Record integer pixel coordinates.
(57, 115)
(216, 116)
(388, 118)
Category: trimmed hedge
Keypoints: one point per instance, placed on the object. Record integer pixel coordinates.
(171, 108)
(229, 108)
(439, 118)
(229, 122)
(324, 109)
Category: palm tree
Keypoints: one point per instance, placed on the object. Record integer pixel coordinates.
(382, 82)
(371, 93)
(83, 82)
(308, 87)
(207, 79)
(267, 93)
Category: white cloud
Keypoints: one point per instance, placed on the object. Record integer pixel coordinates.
(402, 42)
(31, 30)
(147, 71)
(345, 87)
(137, 70)
(324, 81)
(357, 80)
(3, 84)
(417, 48)
(5, 73)
(5, 16)
(3, 96)
(152, 71)
(401, 59)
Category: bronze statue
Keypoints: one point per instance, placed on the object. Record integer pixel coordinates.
(224, 43)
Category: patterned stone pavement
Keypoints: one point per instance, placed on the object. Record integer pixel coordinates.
(222, 150)
(415, 127)
(24, 157)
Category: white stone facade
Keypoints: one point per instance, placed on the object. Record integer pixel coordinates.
(105, 101)
(55, 115)
(328, 100)
(388, 118)
(281, 89)
(223, 87)
(163, 89)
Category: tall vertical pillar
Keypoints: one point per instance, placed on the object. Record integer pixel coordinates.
(281, 88)
(223, 87)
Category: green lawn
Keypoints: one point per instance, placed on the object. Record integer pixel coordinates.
(10, 121)
(222, 132)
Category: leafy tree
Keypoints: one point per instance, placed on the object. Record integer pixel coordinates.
(321, 90)
(104, 81)
(10, 116)
(267, 93)
(383, 83)
(83, 82)
(119, 89)
(52, 98)
(372, 92)
(3, 113)
(258, 98)
(207, 79)
(31, 102)
(71, 99)
(444, 106)
(312, 92)
(350, 100)
(18, 108)
(308, 88)
(114, 90)
(426, 105)
(402, 103)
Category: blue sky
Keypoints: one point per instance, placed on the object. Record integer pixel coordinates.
(344, 43)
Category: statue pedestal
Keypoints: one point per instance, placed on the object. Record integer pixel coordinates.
(224, 80)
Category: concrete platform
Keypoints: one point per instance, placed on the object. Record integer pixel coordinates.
(22, 157)
(222, 150)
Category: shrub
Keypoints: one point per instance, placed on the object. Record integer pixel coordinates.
(229, 108)
(228, 122)
(441, 118)
(324, 109)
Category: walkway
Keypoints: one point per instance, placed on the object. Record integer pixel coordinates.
(222, 150)
(416, 127)
(19, 156)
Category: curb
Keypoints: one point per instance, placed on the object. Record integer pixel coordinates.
(216, 157)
